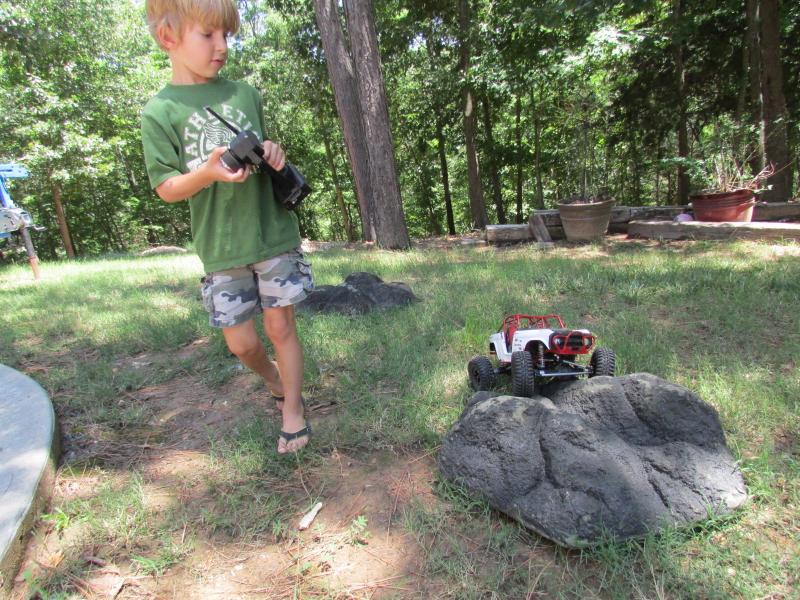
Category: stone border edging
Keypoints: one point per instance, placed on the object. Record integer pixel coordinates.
(29, 445)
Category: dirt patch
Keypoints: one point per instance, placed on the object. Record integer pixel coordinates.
(357, 544)
(787, 441)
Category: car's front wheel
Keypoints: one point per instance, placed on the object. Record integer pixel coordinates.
(481, 373)
(603, 362)
(523, 381)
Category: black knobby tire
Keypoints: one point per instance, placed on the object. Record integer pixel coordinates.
(523, 380)
(603, 362)
(481, 373)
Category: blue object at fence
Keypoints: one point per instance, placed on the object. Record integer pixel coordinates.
(14, 219)
(9, 171)
(11, 217)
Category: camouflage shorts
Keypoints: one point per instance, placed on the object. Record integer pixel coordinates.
(235, 295)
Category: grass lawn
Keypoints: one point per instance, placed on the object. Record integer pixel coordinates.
(170, 485)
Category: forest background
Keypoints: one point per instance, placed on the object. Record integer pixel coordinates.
(500, 106)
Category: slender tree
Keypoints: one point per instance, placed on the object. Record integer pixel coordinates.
(753, 86)
(518, 147)
(680, 95)
(476, 202)
(442, 148)
(773, 103)
(61, 218)
(494, 174)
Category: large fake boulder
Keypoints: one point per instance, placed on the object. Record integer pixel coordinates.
(604, 457)
(360, 293)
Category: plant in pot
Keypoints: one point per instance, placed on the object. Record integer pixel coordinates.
(730, 194)
(585, 218)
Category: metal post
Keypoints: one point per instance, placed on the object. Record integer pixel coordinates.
(32, 258)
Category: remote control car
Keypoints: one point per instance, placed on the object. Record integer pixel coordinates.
(538, 349)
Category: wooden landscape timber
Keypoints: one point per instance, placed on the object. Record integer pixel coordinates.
(622, 216)
(539, 230)
(703, 230)
(507, 233)
(772, 211)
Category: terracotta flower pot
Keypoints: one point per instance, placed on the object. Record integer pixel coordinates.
(585, 221)
(724, 206)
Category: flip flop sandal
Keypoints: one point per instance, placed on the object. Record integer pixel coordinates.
(288, 437)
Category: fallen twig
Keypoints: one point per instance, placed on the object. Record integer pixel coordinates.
(376, 583)
(305, 522)
(436, 449)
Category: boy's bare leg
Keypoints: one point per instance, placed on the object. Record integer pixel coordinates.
(279, 325)
(244, 342)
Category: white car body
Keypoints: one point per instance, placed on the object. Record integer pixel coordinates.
(522, 338)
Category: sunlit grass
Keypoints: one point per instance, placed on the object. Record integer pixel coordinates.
(722, 319)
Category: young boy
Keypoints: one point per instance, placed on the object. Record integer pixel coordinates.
(248, 243)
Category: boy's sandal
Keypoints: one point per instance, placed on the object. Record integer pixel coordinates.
(288, 437)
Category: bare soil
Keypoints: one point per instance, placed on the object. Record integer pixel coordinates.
(172, 454)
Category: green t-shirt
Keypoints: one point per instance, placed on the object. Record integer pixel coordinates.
(233, 224)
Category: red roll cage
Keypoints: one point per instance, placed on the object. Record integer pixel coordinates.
(561, 341)
(513, 322)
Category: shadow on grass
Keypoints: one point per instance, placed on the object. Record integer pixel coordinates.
(720, 324)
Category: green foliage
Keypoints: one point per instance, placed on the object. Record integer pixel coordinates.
(69, 107)
(595, 84)
(357, 533)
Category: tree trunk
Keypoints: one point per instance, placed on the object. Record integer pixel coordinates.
(773, 104)
(635, 171)
(680, 89)
(61, 217)
(345, 92)
(390, 224)
(657, 185)
(448, 202)
(347, 223)
(494, 176)
(518, 142)
(427, 198)
(537, 151)
(433, 55)
(755, 156)
(476, 203)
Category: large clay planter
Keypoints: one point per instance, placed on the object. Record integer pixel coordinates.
(585, 221)
(724, 206)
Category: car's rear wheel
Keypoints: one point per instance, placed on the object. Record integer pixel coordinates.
(603, 362)
(523, 381)
(481, 373)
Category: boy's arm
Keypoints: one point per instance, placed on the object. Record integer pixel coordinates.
(182, 187)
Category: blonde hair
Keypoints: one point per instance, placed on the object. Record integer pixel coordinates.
(176, 14)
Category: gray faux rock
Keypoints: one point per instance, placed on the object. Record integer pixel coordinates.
(360, 293)
(604, 457)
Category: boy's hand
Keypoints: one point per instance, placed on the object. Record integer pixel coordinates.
(186, 185)
(274, 155)
(217, 171)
